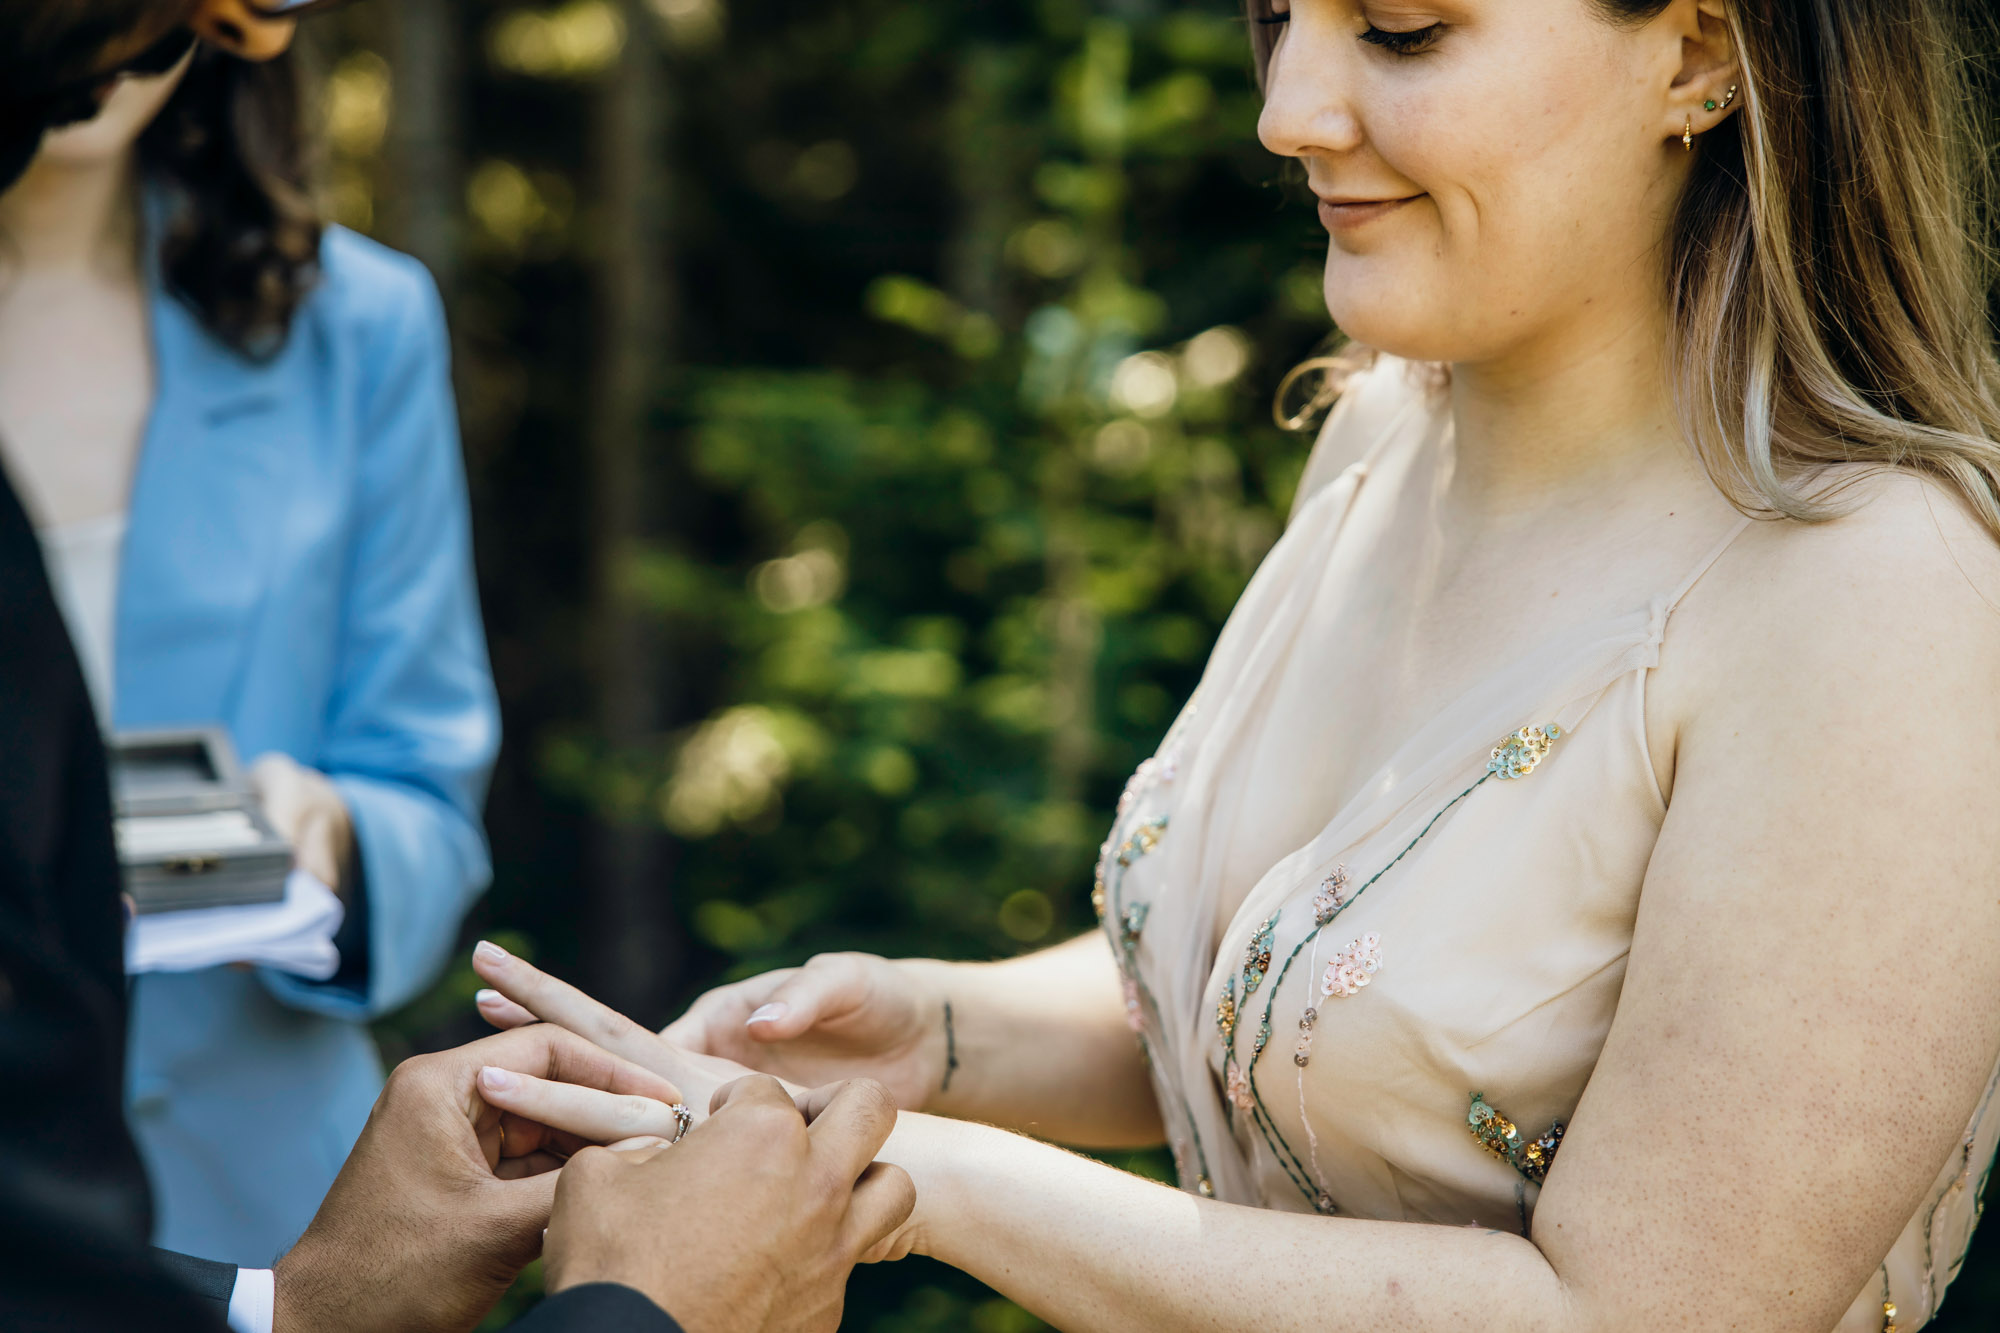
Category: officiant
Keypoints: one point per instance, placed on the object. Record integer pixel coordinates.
(233, 428)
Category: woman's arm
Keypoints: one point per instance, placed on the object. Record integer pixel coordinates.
(1807, 1023)
(1038, 1043)
(1091, 1248)
(1042, 1045)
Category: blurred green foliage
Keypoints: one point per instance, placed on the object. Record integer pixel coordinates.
(964, 454)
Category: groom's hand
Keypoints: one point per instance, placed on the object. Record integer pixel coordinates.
(752, 1223)
(444, 1198)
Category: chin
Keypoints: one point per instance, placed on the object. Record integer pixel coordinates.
(1390, 318)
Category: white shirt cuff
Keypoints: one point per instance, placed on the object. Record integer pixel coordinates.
(251, 1302)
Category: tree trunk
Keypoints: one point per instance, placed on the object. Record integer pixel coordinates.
(426, 152)
(632, 946)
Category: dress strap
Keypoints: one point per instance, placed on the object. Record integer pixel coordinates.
(1707, 562)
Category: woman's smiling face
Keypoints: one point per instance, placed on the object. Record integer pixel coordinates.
(1489, 171)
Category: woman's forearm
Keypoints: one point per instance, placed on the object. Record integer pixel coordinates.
(1040, 1044)
(1096, 1250)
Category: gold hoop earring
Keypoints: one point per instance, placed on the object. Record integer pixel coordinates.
(1687, 136)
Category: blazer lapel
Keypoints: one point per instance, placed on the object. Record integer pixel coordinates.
(204, 522)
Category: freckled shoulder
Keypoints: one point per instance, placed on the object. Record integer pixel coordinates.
(1907, 557)
(1898, 596)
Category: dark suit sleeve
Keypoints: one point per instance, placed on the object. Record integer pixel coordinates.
(213, 1281)
(599, 1307)
(74, 1209)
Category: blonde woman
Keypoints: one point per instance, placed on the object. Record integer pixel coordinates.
(1569, 901)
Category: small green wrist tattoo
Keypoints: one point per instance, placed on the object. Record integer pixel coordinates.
(950, 1049)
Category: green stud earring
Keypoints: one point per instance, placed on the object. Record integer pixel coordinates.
(1710, 105)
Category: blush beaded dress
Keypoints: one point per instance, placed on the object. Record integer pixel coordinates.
(1401, 1015)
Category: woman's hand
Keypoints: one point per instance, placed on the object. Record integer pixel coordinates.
(1038, 1043)
(841, 1016)
(522, 993)
(307, 812)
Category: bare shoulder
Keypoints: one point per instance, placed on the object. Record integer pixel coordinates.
(1900, 531)
(1888, 614)
(1907, 569)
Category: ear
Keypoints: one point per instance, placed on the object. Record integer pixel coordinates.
(1708, 88)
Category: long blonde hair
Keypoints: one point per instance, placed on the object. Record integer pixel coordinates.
(1829, 267)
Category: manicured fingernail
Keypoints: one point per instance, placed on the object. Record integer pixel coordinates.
(770, 1013)
(488, 997)
(497, 1080)
(486, 951)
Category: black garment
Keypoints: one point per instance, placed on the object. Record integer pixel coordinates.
(74, 1207)
(213, 1282)
(74, 1211)
(601, 1307)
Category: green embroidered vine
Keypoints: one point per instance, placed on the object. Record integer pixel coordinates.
(1128, 922)
(1514, 758)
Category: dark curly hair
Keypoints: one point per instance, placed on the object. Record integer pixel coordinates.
(228, 154)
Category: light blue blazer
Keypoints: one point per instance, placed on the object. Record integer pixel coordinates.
(298, 567)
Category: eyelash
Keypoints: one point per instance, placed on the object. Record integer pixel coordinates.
(1409, 43)
(1412, 42)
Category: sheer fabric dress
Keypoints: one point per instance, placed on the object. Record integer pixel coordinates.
(1404, 1010)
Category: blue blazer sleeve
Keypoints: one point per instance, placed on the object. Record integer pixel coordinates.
(413, 724)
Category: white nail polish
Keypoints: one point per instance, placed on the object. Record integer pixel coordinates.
(770, 1013)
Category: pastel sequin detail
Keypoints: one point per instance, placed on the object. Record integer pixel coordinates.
(1240, 1095)
(1521, 753)
(1350, 970)
(1332, 896)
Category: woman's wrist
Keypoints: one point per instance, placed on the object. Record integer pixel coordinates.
(931, 1148)
(945, 995)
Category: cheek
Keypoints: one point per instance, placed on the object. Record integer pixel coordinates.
(1531, 201)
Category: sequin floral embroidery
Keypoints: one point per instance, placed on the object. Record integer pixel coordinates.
(1141, 842)
(1257, 956)
(1353, 967)
(1132, 922)
(1332, 896)
(1501, 1137)
(1522, 752)
(1135, 1014)
(1239, 1090)
(1351, 970)
(1126, 923)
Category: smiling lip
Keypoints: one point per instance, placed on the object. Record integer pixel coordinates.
(1345, 214)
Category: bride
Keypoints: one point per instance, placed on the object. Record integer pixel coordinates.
(1568, 902)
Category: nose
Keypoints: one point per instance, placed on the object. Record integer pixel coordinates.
(238, 27)
(1308, 106)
